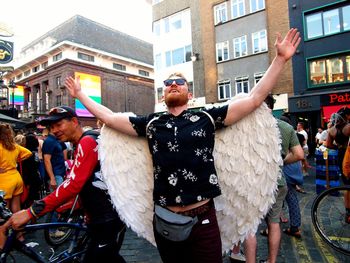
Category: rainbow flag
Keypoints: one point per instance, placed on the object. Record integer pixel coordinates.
(90, 85)
(18, 95)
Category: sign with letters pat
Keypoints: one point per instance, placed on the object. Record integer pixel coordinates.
(6, 51)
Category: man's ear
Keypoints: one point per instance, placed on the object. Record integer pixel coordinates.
(75, 121)
(162, 99)
(190, 95)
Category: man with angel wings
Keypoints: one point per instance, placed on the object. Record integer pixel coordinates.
(185, 179)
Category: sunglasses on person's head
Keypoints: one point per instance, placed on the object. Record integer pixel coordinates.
(169, 82)
(59, 110)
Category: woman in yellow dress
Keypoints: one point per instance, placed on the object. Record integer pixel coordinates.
(10, 180)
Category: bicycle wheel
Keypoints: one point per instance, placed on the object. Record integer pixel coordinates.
(57, 236)
(329, 218)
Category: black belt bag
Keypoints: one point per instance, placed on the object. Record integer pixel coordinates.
(172, 226)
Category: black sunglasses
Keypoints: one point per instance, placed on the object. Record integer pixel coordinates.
(169, 82)
(59, 110)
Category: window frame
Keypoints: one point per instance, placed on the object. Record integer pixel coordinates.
(223, 84)
(218, 11)
(218, 47)
(257, 5)
(118, 66)
(240, 45)
(242, 80)
(85, 57)
(143, 73)
(57, 57)
(324, 77)
(237, 3)
(321, 12)
(260, 41)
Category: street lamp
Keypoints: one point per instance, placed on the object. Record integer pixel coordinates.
(12, 85)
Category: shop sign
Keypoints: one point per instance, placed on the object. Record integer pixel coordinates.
(336, 98)
(6, 51)
(300, 104)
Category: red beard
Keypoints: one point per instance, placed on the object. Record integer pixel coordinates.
(176, 99)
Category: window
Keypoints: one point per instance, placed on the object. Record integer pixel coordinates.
(331, 22)
(166, 25)
(237, 8)
(143, 73)
(58, 100)
(175, 22)
(119, 66)
(222, 51)
(335, 71)
(58, 82)
(256, 5)
(19, 76)
(159, 94)
(178, 56)
(156, 28)
(188, 53)
(57, 57)
(314, 25)
(329, 70)
(26, 73)
(346, 17)
(35, 69)
(257, 77)
(242, 84)
(259, 41)
(47, 99)
(328, 22)
(44, 65)
(318, 72)
(86, 57)
(220, 13)
(224, 90)
(240, 47)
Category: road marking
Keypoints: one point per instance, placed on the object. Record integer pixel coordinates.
(324, 248)
(302, 252)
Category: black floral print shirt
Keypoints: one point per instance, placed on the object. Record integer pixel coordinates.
(182, 151)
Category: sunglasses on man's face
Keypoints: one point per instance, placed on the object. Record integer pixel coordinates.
(169, 82)
(59, 110)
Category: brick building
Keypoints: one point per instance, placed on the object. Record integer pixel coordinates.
(115, 69)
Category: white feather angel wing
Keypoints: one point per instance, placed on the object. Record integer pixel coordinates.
(247, 161)
(247, 158)
(126, 165)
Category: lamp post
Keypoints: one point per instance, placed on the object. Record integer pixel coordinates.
(12, 85)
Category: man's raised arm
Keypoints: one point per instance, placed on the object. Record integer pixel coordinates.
(285, 49)
(113, 120)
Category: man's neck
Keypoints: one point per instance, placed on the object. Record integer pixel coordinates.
(77, 136)
(176, 111)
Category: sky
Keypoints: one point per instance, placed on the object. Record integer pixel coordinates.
(30, 19)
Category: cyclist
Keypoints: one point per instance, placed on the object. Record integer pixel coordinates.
(103, 222)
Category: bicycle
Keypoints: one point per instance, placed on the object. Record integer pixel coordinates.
(330, 220)
(70, 212)
(76, 249)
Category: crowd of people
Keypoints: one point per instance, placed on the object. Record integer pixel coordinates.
(172, 143)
